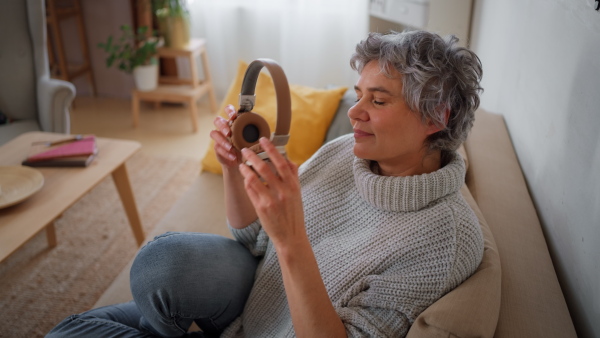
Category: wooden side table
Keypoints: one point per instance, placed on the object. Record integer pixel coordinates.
(178, 90)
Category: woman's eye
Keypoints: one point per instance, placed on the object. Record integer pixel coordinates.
(379, 103)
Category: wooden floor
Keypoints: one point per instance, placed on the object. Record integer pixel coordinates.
(163, 131)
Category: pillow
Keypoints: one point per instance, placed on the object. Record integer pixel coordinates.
(312, 112)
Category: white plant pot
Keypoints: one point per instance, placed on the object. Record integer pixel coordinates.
(146, 77)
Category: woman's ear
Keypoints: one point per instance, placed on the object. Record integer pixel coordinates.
(433, 127)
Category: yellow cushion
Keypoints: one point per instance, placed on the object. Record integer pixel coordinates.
(312, 112)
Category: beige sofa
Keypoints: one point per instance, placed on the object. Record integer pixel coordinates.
(515, 291)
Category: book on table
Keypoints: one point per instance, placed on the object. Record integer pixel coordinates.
(71, 152)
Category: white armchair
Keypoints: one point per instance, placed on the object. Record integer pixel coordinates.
(28, 96)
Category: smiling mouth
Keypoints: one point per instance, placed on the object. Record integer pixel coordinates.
(359, 133)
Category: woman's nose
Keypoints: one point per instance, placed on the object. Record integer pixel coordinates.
(357, 112)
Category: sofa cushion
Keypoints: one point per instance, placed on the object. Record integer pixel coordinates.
(16, 128)
(472, 308)
(313, 110)
(532, 302)
(340, 125)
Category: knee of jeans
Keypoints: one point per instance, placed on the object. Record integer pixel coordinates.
(157, 257)
(161, 263)
(171, 255)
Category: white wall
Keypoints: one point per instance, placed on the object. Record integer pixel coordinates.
(541, 61)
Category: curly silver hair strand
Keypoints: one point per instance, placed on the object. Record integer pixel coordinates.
(437, 75)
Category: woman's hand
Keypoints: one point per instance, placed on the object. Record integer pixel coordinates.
(274, 190)
(227, 155)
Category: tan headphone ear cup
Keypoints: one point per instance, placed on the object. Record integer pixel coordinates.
(247, 129)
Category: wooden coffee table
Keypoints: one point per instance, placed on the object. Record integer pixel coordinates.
(62, 188)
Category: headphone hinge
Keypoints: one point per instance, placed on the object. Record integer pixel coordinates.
(247, 102)
(279, 140)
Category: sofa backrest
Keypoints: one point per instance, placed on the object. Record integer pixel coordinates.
(532, 302)
(340, 125)
(18, 98)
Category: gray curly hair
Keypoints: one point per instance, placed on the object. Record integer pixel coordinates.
(436, 75)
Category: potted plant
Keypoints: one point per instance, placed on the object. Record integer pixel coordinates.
(173, 20)
(134, 53)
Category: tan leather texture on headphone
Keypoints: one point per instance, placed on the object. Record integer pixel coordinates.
(248, 127)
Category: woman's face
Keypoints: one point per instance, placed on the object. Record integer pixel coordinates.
(385, 129)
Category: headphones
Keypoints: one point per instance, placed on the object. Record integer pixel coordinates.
(248, 127)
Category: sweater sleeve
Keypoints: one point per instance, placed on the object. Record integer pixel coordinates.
(252, 237)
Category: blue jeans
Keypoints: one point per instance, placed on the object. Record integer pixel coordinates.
(176, 279)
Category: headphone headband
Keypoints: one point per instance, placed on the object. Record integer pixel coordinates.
(282, 92)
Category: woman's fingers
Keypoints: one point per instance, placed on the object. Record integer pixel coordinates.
(277, 170)
(225, 151)
(223, 148)
(254, 186)
(222, 126)
(260, 167)
(281, 164)
(230, 110)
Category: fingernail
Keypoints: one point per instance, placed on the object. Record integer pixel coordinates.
(231, 156)
(227, 146)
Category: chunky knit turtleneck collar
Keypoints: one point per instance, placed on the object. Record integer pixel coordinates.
(410, 193)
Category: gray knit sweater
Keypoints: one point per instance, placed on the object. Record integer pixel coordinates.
(387, 247)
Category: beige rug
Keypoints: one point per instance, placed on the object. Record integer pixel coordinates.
(41, 286)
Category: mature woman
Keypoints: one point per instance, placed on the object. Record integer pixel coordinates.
(356, 242)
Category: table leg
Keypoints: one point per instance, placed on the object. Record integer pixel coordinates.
(123, 185)
(194, 113)
(135, 109)
(51, 235)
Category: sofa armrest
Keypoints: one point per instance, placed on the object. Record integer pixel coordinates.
(54, 99)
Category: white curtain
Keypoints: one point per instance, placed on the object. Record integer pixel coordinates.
(311, 39)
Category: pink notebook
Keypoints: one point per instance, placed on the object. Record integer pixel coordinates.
(84, 147)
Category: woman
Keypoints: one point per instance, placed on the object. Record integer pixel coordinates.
(356, 242)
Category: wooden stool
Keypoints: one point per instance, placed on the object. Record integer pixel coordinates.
(178, 90)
